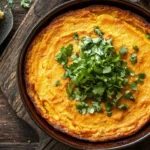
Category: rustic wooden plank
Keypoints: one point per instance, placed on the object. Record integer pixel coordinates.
(53, 145)
(19, 146)
(12, 129)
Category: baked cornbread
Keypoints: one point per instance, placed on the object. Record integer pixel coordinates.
(42, 71)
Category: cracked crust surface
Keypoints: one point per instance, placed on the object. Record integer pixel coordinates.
(42, 71)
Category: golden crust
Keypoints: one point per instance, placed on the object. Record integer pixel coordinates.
(42, 70)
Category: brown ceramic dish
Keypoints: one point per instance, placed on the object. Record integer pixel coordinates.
(142, 134)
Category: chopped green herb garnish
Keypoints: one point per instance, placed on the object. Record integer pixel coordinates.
(142, 75)
(62, 57)
(123, 50)
(11, 3)
(126, 80)
(133, 58)
(69, 90)
(133, 86)
(57, 83)
(108, 106)
(67, 50)
(140, 78)
(129, 95)
(123, 107)
(96, 106)
(23, 3)
(98, 31)
(109, 113)
(136, 48)
(148, 36)
(97, 74)
(26, 3)
(76, 36)
(82, 107)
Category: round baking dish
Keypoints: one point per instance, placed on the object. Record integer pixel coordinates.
(62, 137)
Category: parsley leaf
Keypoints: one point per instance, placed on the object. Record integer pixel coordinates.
(26, 3)
(67, 50)
(140, 78)
(82, 107)
(133, 86)
(142, 75)
(148, 36)
(98, 31)
(69, 90)
(98, 90)
(11, 3)
(106, 69)
(123, 50)
(96, 106)
(129, 95)
(76, 36)
(136, 48)
(57, 83)
(123, 107)
(133, 58)
(62, 58)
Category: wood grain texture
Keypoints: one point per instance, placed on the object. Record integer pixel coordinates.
(18, 146)
(8, 81)
(11, 128)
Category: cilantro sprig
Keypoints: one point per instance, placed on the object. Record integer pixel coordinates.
(23, 3)
(98, 74)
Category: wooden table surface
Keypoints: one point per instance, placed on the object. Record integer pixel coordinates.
(14, 132)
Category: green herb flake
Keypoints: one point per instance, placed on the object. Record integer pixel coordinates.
(140, 78)
(62, 58)
(123, 107)
(109, 113)
(129, 95)
(57, 83)
(123, 50)
(133, 58)
(107, 69)
(67, 50)
(133, 86)
(96, 106)
(148, 36)
(125, 81)
(11, 3)
(142, 75)
(136, 48)
(119, 95)
(91, 110)
(82, 107)
(108, 106)
(76, 36)
(26, 3)
(69, 90)
(98, 31)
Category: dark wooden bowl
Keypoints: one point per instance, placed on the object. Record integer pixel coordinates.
(73, 142)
